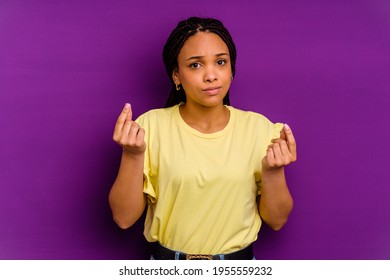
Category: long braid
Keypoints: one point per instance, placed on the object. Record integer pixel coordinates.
(175, 42)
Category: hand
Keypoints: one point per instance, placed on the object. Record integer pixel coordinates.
(282, 151)
(128, 134)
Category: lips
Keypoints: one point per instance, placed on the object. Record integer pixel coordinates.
(212, 90)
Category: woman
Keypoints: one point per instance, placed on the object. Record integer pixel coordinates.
(208, 172)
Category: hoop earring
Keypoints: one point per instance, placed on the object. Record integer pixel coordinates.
(178, 87)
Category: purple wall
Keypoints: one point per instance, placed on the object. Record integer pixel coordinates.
(67, 68)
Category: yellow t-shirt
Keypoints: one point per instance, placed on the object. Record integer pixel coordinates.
(202, 188)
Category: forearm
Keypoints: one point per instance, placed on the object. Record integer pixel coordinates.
(126, 198)
(275, 203)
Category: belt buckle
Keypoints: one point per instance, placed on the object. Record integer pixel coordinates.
(198, 257)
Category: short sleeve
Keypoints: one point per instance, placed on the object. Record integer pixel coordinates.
(149, 188)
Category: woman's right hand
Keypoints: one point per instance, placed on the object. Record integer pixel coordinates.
(128, 134)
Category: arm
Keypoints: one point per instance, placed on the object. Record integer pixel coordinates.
(126, 198)
(275, 203)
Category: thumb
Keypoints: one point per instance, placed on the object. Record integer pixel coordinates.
(283, 134)
(129, 112)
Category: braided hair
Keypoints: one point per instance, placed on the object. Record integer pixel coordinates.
(175, 42)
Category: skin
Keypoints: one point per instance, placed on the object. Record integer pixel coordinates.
(204, 72)
(126, 198)
(275, 203)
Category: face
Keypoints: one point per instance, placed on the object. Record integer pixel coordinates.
(204, 69)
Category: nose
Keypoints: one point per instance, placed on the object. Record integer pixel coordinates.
(210, 74)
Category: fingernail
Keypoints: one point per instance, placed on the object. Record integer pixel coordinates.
(127, 105)
(287, 126)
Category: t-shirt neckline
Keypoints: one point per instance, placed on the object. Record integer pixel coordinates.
(195, 132)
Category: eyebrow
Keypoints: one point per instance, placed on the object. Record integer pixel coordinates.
(199, 56)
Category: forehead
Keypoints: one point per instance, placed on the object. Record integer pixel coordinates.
(202, 44)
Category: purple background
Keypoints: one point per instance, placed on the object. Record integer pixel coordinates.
(68, 67)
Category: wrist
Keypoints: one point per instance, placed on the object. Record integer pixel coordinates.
(271, 171)
(273, 175)
(131, 155)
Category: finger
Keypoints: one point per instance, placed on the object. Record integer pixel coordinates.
(289, 155)
(270, 156)
(140, 136)
(277, 140)
(126, 128)
(279, 160)
(283, 146)
(290, 139)
(129, 113)
(283, 134)
(133, 133)
(128, 133)
(121, 120)
(284, 149)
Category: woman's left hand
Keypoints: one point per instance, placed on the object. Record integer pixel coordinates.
(282, 151)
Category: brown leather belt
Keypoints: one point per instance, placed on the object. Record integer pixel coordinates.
(162, 253)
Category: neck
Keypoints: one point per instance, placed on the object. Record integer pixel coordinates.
(205, 119)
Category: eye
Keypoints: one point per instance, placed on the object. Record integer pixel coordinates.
(221, 62)
(195, 65)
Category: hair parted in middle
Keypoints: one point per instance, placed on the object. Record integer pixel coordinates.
(175, 42)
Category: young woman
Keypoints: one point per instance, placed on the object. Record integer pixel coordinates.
(209, 173)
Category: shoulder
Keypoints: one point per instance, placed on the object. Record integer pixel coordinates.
(256, 121)
(155, 116)
(245, 116)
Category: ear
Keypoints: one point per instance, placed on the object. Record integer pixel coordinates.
(175, 76)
